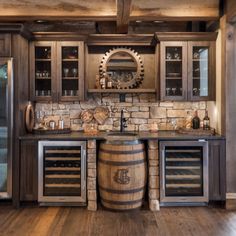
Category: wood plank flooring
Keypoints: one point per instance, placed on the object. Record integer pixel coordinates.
(70, 221)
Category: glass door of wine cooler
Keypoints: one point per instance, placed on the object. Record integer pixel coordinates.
(174, 70)
(62, 172)
(184, 172)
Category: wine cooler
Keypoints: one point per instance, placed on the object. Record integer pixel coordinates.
(62, 173)
(184, 172)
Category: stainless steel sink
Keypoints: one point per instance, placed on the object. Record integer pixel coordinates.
(122, 134)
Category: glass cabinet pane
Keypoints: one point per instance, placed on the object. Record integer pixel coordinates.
(200, 59)
(43, 83)
(173, 71)
(70, 70)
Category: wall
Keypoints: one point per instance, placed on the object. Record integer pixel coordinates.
(231, 108)
(141, 110)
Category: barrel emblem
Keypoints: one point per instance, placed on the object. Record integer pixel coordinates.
(121, 176)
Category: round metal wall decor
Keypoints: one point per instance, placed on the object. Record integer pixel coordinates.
(123, 67)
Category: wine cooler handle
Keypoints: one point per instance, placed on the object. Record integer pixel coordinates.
(201, 140)
(84, 172)
(163, 169)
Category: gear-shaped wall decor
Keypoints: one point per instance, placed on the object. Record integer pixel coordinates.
(123, 66)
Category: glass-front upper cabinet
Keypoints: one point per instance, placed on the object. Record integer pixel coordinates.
(200, 64)
(42, 66)
(70, 65)
(57, 71)
(173, 70)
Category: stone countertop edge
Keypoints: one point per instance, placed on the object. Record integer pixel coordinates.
(160, 135)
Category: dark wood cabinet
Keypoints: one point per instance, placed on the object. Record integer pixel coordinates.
(57, 71)
(5, 45)
(187, 67)
(217, 170)
(28, 170)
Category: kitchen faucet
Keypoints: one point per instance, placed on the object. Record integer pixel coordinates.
(123, 120)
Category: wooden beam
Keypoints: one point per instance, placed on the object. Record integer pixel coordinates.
(231, 11)
(172, 10)
(185, 36)
(123, 14)
(57, 10)
(16, 28)
(120, 39)
(112, 10)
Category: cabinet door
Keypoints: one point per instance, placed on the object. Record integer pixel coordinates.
(173, 70)
(28, 171)
(43, 71)
(70, 65)
(217, 170)
(201, 70)
(5, 45)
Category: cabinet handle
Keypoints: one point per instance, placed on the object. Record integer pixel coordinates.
(84, 165)
(163, 169)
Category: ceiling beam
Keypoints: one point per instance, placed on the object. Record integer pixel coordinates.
(123, 14)
(231, 11)
(113, 10)
(175, 14)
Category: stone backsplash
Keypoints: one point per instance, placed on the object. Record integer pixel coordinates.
(141, 110)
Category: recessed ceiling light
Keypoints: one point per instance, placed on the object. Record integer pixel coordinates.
(41, 21)
(158, 21)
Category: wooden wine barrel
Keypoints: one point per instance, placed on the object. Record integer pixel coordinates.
(122, 174)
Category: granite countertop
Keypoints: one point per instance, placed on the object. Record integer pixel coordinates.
(161, 135)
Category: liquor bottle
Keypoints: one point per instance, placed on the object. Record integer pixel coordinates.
(206, 121)
(196, 121)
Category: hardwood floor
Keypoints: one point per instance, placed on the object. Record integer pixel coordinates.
(68, 221)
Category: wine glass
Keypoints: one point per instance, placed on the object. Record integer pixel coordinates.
(66, 72)
(75, 72)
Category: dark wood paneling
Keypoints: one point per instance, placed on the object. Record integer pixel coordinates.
(217, 170)
(28, 170)
(5, 45)
(21, 96)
